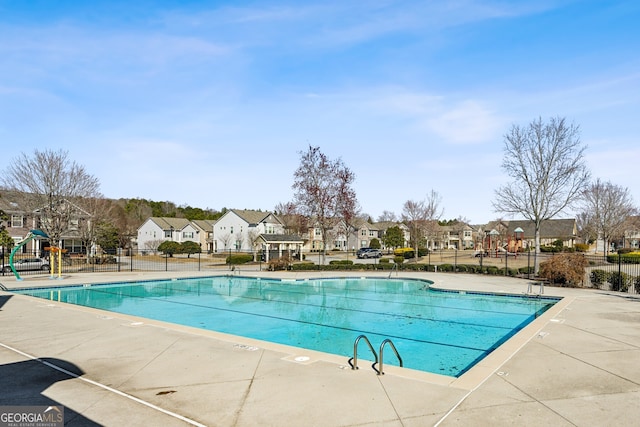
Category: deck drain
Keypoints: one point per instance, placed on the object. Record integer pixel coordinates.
(245, 347)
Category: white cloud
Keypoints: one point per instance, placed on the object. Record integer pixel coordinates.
(467, 122)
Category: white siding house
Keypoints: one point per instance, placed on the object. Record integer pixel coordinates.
(156, 230)
(238, 230)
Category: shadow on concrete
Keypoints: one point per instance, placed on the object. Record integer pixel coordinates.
(22, 384)
(4, 299)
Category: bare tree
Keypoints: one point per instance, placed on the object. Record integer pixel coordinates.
(609, 206)
(323, 191)
(48, 182)
(414, 215)
(433, 212)
(546, 163)
(387, 216)
(98, 211)
(152, 245)
(293, 221)
(586, 227)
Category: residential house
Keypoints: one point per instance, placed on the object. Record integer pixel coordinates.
(156, 230)
(205, 228)
(239, 230)
(520, 234)
(383, 226)
(458, 236)
(21, 221)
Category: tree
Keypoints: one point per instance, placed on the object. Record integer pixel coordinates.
(387, 216)
(169, 247)
(323, 191)
(49, 183)
(433, 213)
(608, 206)
(422, 218)
(94, 211)
(393, 237)
(189, 248)
(293, 221)
(106, 236)
(414, 215)
(546, 164)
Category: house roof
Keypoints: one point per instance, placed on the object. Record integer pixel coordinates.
(253, 217)
(166, 223)
(551, 228)
(204, 224)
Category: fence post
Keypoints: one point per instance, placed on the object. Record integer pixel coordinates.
(619, 272)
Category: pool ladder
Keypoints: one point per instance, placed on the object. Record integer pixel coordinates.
(395, 267)
(353, 362)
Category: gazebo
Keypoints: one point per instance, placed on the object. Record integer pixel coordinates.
(275, 245)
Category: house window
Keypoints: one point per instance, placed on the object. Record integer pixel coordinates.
(467, 234)
(167, 233)
(16, 221)
(73, 224)
(187, 235)
(372, 233)
(231, 228)
(73, 246)
(363, 232)
(317, 232)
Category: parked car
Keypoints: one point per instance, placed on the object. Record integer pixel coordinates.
(368, 253)
(27, 264)
(479, 254)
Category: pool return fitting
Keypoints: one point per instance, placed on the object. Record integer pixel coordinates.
(353, 362)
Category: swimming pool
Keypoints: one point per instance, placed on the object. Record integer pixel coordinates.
(437, 331)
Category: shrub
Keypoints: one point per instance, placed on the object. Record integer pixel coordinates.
(627, 258)
(636, 285)
(445, 267)
(341, 262)
(620, 281)
(526, 270)
(235, 259)
(566, 269)
(406, 253)
(304, 266)
(169, 247)
(581, 247)
(598, 277)
(492, 270)
(398, 259)
(384, 261)
(282, 263)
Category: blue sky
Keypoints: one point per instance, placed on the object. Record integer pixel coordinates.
(208, 103)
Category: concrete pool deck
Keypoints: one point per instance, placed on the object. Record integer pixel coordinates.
(577, 365)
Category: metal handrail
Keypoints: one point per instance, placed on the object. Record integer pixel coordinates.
(354, 365)
(395, 267)
(393, 347)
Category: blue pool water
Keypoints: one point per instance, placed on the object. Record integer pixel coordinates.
(436, 331)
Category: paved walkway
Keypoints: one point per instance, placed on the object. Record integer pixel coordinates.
(577, 365)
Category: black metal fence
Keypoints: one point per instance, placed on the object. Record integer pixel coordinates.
(607, 272)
